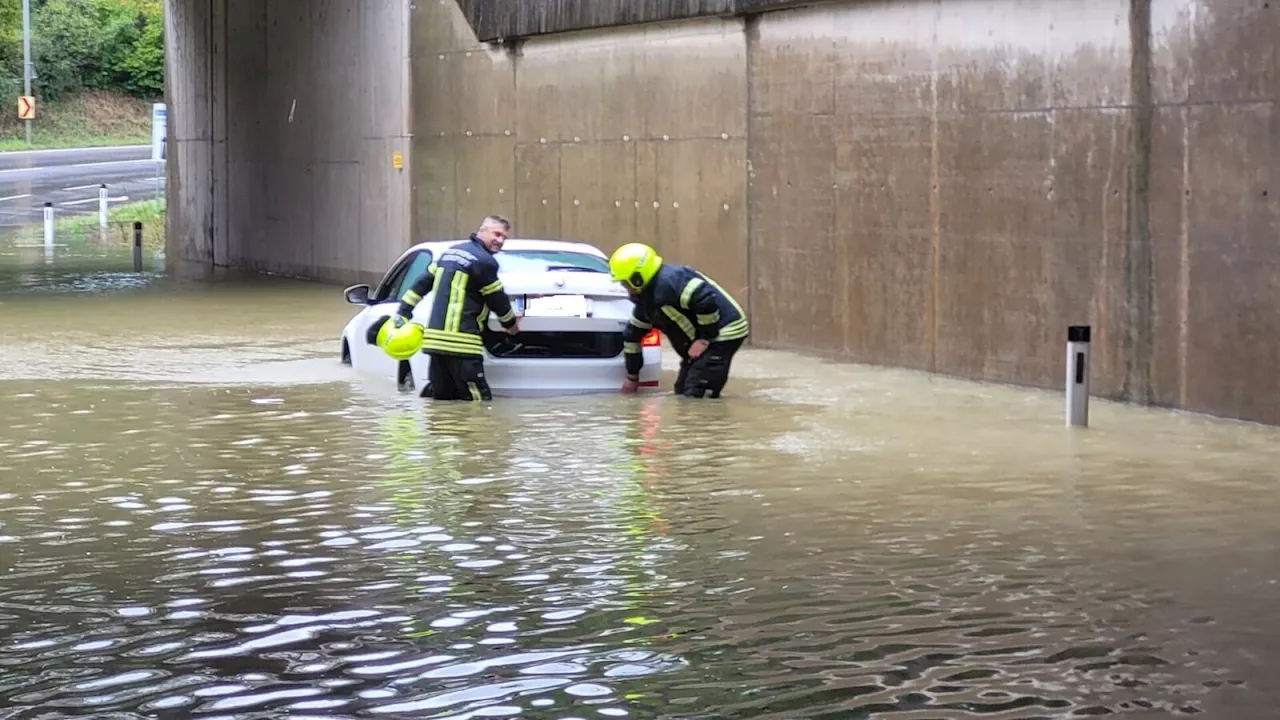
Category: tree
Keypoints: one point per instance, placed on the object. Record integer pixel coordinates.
(133, 57)
(67, 48)
(115, 45)
(11, 42)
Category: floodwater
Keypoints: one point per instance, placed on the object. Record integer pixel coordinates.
(203, 514)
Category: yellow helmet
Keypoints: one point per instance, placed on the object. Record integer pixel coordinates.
(399, 337)
(634, 264)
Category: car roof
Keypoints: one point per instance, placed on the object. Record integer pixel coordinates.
(436, 246)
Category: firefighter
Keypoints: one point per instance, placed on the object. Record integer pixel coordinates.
(468, 289)
(705, 324)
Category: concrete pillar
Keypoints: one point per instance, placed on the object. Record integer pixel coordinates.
(285, 119)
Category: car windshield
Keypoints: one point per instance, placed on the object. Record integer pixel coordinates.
(545, 260)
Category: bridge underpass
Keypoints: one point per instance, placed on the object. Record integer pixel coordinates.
(285, 118)
(938, 185)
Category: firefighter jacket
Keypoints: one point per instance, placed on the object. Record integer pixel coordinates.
(687, 306)
(465, 278)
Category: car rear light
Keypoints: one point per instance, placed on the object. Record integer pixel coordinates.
(653, 339)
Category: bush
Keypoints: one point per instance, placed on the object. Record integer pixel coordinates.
(77, 45)
(11, 40)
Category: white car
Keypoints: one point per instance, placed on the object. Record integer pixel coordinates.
(570, 339)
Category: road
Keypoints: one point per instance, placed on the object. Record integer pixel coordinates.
(70, 180)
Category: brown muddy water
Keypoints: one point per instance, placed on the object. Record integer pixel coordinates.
(203, 514)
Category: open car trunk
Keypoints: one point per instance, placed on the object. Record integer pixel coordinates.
(565, 315)
(553, 344)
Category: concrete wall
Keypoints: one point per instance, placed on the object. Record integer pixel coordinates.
(189, 171)
(937, 185)
(1004, 169)
(604, 136)
(284, 117)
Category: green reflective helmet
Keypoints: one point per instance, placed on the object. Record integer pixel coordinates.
(634, 265)
(399, 337)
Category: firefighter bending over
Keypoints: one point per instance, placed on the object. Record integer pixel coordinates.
(705, 324)
(465, 277)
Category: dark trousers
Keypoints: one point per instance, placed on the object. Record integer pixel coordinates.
(706, 375)
(456, 377)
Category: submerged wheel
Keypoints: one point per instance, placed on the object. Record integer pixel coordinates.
(346, 353)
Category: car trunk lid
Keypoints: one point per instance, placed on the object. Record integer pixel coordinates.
(565, 314)
(565, 282)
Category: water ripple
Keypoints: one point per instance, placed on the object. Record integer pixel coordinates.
(310, 552)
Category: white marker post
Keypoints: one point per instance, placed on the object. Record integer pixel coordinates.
(48, 226)
(159, 129)
(1078, 376)
(159, 138)
(102, 206)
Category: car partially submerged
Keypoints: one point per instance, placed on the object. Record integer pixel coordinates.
(570, 339)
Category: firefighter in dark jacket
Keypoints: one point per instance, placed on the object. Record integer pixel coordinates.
(465, 278)
(705, 324)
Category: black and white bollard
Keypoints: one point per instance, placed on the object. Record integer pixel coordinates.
(1078, 376)
(48, 226)
(137, 246)
(102, 206)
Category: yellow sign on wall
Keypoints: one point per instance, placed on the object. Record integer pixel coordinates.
(26, 108)
(397, 160)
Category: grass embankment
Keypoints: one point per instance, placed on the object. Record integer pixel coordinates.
(91, 119)
(120, 221)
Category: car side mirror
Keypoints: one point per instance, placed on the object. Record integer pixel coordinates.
(357, 294)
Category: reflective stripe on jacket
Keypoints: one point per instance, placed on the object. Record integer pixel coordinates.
(686, 305)
(465, 278)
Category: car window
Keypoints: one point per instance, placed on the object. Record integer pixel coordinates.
(402, 276)
(542, 260)
(419, 265)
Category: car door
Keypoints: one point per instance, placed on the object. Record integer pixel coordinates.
(384, 301)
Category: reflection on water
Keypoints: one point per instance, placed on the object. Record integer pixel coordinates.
(205, 515)
(81, 262)
(218, 551)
